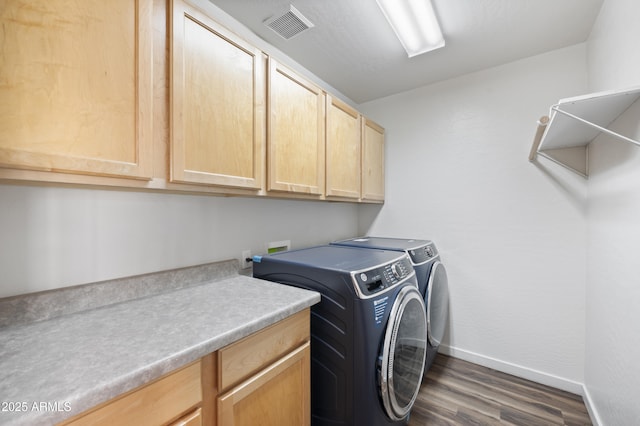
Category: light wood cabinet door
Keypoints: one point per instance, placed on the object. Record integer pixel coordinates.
(218, 94)
(279, 395)
(295, 133)
(76, 92)
(372, 162)
(343, 150)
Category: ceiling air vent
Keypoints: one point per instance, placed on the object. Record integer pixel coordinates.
(289, 23)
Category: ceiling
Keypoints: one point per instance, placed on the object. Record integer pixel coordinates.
(352, 47)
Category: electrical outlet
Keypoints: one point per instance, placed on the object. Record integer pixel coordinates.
(246, 254)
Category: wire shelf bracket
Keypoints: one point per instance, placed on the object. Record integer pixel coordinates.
(564, 135)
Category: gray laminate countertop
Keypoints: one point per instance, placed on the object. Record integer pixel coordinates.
(58, 368)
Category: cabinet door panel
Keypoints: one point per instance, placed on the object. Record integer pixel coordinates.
(218, 104)
(372, 162)
(278, 395)
(296, 133)
(77, 86)
(343, 150)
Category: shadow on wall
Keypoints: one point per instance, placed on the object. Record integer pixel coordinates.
(566, 181)
(612, 155)
(367, 215)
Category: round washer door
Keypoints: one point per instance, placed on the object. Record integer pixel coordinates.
(437, 300)
(403, 353)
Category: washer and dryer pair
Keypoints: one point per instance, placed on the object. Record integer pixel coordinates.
(369, 333)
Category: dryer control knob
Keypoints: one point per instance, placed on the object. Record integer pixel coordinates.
(397, 272)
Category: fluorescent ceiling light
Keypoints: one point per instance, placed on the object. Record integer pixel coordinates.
(415, 24)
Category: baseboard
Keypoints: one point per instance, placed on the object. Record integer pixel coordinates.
(514, 369)
(591, 408)
(529, 374)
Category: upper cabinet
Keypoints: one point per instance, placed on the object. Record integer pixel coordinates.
(76, 92)
(296, 142)
(157, 95)
(372, 162)
(343, 150)
(217, 103)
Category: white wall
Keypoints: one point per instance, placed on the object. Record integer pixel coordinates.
(612, 370)
(512, 234)
(56, 237)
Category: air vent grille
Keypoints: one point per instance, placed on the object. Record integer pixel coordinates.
(289, 24)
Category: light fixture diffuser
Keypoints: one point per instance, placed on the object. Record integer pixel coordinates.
(415, 24)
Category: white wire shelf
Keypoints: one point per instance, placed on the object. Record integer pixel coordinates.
(573, 123)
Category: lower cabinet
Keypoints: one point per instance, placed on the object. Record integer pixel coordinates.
(278, 395)
(262, 379)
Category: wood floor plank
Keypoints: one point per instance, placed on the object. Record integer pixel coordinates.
(455, 398)
(536, 391)
(457, 392)
(468, 417)
(577, 418)
(434, 416)
(531, 391)
(499, 394)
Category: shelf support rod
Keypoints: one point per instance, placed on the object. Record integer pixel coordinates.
(542, 125)
(602, 129)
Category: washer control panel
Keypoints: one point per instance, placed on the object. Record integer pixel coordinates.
(423, 254)
(372, 281)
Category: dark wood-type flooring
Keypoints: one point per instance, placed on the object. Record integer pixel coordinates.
(457, 392)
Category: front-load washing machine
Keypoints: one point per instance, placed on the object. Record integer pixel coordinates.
(432, 280)
(368, 333)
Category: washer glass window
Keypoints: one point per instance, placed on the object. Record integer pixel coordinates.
(403, 353)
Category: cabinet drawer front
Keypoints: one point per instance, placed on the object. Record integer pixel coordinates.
(153, 404)
(192, 419)
(251, 354)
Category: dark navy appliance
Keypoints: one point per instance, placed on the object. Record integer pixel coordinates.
(368, 333)
(432, 280)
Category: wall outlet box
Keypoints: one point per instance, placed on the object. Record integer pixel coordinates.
(244, 263)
